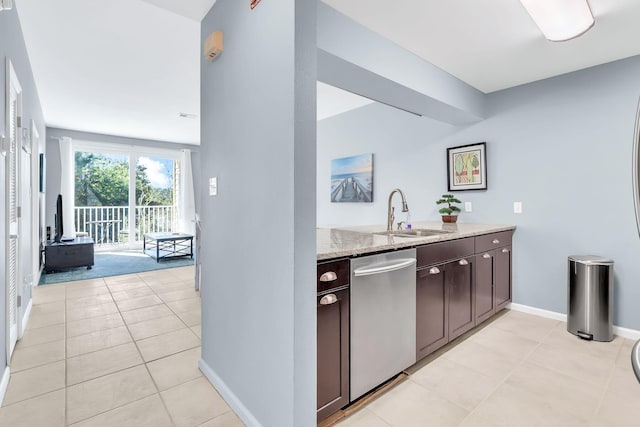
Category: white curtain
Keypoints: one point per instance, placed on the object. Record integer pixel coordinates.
(66, 186)
(186, 204)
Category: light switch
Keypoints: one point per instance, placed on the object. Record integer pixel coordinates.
(517, 207)
(467, 207)
(213, 186)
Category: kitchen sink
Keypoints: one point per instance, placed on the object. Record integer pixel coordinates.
(416, 232)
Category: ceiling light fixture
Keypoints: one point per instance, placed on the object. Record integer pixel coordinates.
(560, 20)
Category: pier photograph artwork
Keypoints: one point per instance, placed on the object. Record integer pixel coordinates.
(352, 179)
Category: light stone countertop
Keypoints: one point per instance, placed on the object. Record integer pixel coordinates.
(353, 241)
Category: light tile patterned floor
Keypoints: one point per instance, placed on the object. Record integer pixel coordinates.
(123, 351)
(519, 370)
(118, 351)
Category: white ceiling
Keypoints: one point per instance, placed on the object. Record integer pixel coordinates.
(494, 44)
(129, 67)
(192, 9)
(333, 101)
(118, 67)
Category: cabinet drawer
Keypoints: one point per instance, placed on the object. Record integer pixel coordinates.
(444, 251)
(492, 241)
(341, 273)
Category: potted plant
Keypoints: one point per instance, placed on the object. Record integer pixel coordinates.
(449, 212)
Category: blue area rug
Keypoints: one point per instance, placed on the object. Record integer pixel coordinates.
(114, 264)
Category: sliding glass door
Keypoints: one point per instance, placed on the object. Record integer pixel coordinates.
(102, 196)
(120, 196)
(156, 207)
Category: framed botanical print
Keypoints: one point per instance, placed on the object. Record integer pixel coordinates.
(467, 167)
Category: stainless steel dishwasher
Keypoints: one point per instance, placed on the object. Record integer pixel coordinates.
(383, 318)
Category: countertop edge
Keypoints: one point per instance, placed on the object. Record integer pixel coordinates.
(378, 243)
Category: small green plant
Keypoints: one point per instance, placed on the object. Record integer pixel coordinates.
(449, 199)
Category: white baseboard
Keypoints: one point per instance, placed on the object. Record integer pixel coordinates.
(4, 383)
(631, 334)
(238, 407)
(25, 319)
(537, 311)
(617, 330)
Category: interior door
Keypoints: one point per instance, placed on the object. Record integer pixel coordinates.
(13, 156)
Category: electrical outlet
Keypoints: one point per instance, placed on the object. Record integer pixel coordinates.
(517, 207)
(213, 186)
(467, 207)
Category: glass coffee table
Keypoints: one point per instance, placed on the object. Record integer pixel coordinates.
(162, 246)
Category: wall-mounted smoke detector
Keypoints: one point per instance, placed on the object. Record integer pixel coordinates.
(187, 116)
(6, 4)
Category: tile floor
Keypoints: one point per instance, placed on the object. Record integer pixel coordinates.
(117, 351)
(123, 351)
(518, 370)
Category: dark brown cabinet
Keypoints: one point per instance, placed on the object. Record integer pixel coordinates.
(461, 297)
(432, 310)
(502, 284)
(485, 305)
(444, 294)
(493, 274)
(333, 337)
(459, 284)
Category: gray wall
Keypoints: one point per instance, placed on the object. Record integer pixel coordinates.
(54, 166)
(258, 138)
(398, 141)
(562, 146)
(12, 46)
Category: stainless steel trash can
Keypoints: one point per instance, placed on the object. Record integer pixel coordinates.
(590, 297)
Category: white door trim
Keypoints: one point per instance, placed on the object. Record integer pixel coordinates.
(35, 203)
(4, 383)
(12, 83)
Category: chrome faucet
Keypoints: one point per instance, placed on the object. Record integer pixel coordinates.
(391, 209)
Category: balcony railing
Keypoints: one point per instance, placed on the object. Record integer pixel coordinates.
(110, 224)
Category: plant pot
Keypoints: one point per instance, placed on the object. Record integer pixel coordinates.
(449, 218)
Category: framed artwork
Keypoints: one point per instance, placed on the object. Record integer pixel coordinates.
(352, 179)
(467, 167)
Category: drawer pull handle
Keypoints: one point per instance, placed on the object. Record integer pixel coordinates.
(328, 299)
(434, 270)
(505, 250)
(496, 241)
(329, 276)
(486, 256)
(463, 262)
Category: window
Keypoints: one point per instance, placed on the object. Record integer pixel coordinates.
(120, 194)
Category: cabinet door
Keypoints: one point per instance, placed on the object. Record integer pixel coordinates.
(333, 353)
(461, 292)
(485, 305)
(502, 280)
(432, 312)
